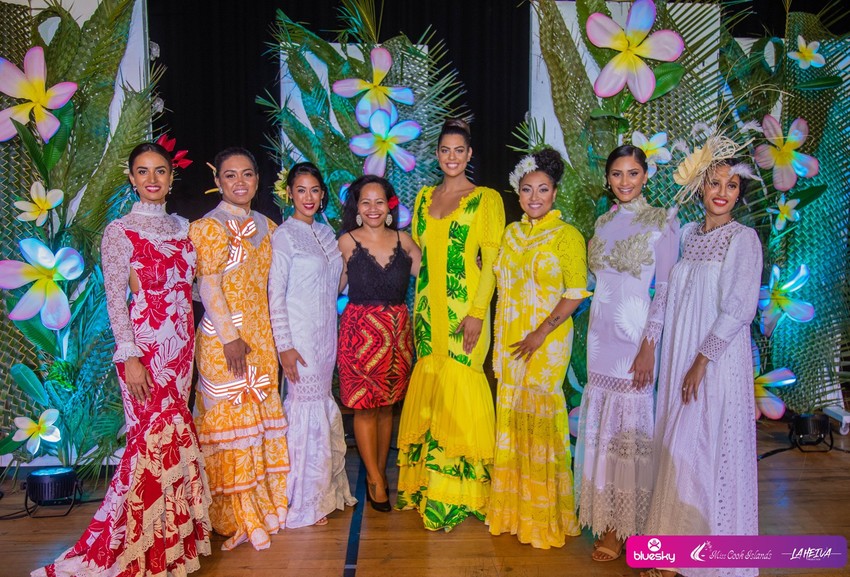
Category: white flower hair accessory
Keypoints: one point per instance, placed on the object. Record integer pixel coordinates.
(526, 165)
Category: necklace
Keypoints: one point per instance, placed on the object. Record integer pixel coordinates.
(702, 230)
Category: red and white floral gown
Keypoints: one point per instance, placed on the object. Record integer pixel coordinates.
(153, 520)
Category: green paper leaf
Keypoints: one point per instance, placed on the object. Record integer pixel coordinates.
(34, 151)
(8, 445)
(29, 383)
(622, 122)
(667, 77)
(54, 149)
(809, 195)
(37, 333)
(824, 83)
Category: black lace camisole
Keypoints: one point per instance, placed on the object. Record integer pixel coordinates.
(369, 283)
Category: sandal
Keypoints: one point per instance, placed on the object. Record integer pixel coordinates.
(611, 554)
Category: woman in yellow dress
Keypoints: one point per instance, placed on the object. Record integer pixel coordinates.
(542, 278)
(239, 416)
(446, 432)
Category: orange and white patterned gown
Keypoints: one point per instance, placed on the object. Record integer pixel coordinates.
(241, 423)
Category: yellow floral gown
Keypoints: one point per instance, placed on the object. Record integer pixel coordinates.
(446, 432)
(531, 493)
(241, 423)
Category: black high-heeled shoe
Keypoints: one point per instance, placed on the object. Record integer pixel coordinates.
(381, 506)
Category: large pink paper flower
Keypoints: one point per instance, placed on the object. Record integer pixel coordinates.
(383, 140)
(775, 300)
(377, 97)
(30, 85)
(767, 403)
(632, 45)
(782, 156)
(43, 270)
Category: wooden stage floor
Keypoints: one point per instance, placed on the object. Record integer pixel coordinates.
(799, 493)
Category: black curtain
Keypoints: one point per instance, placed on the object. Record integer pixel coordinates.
(217, 61)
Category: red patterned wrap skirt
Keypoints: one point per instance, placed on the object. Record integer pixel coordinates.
(375, 355)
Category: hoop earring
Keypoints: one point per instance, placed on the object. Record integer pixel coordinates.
(389, 219)
(359, 220)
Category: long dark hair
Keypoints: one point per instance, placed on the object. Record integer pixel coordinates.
(149, 147)
(311, 169)
(231, 152)
(352, 199)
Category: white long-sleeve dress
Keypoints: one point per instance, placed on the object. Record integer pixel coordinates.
(706, 450)
(303, 287)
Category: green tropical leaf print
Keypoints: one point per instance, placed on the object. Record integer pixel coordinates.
(401, 502)
(455, 290)
(478, 515)
(468, 469)
(433, 467)
(420, 219)
(458, 233)
(434, 515)
(422, 281)
(455, 263)
(486, 476)
(415, 452)
(416, 498)
(463, 359)
(456, 515)
(472, 204)
(452, 471)
(454, 323)
(422, 305)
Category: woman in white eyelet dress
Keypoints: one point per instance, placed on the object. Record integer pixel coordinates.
(303, 288)
(705, 449)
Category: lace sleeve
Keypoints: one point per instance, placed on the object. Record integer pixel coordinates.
(115, 253)
(490, 218)
(572, 256)
(666, 256)
(740, 277)
(210, 240)
(278, 282)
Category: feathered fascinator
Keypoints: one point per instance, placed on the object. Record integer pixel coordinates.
(696, 167)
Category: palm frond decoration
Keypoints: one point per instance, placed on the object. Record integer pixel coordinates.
(723, 84)
(318, 124)
(73, 370)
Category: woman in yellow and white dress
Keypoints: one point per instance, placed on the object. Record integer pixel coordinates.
(542, 278)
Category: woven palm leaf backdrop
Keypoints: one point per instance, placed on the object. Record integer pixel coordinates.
(718, 84)
(321, 129)
(68, 368)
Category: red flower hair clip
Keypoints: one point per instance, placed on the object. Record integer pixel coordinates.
(393, 202)
(179, 159)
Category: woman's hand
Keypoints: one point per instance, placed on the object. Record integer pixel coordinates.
(643, 366)
(138, 379)
(471, 329)
(693, 379)
(527, 346)
(289, 360)
(236, 352)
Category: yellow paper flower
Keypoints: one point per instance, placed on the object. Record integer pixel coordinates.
(35, 432)
(693, 164)
(42, 203)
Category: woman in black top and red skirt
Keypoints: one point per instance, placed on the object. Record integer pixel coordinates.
(375, 338)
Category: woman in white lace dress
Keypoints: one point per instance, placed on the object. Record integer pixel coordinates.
(705, 435)
(633, 243)
(303, 286)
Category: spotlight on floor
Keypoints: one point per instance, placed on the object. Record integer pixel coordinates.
(51, 487)
(809, 430)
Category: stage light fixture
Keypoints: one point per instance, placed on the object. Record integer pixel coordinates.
(53, 486)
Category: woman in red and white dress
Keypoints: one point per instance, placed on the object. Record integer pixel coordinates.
(153, 519)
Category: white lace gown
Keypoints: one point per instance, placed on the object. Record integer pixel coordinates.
(706, 450)
(632, 244)
(303, 287)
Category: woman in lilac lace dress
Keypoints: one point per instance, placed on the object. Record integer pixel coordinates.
(633, 243)
(705, 438)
